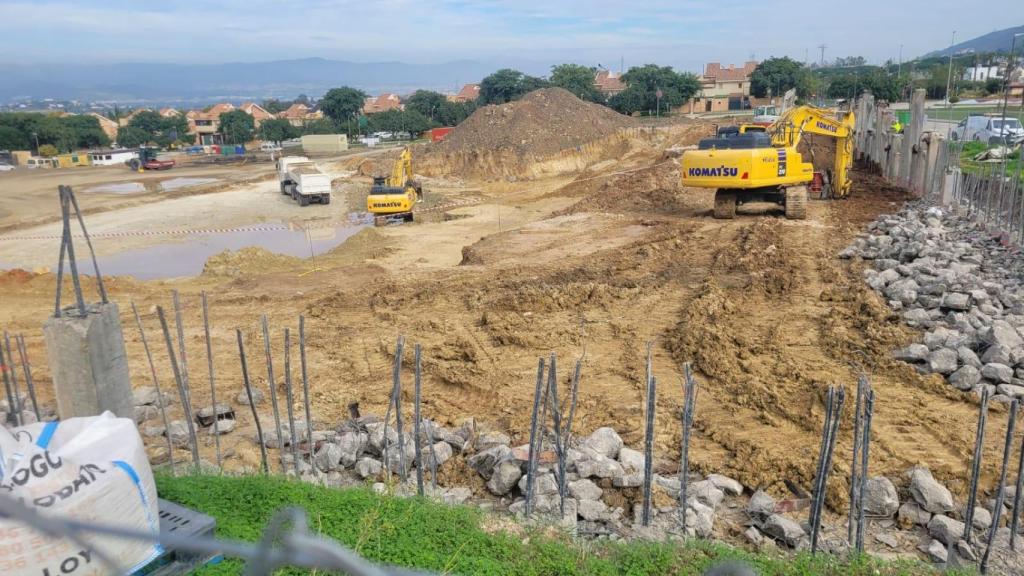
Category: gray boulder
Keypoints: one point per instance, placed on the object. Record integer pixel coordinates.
(584, 489)
(997, 354)
(327, 457)
(998, 373)
(592, 510)
(351, 445)
(965, 377)
(485, 462)
(222, 427)
(605, 441)
(945, 529)
(706, 493)
(942, 361)
(599, 467)
(1004, 334)
(544, 484)
(1011, 390)
(761, 506)
(881, 498)
(936, 551)
(912, 513)
(177, 431)
(781, 528)
(912, 353)
(442, 453)
(956, 301)
(700, 519)
(726, 484)
(367, 467)
(492, 439)
(927, 492)
(504, 478)
(982, 518)
(631, 460)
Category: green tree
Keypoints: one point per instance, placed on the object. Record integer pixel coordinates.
(340, 104)
(453, 113)
(273, 105)
(577, 79)
(86, 130)
(277, 129)
(150, 121)
(779, 75)
(410, 121)
(12, 139)
(643, 84)
(993, 85)
(132, 137)
(427, 103)
(322, 126)
(236, 126)
(507, 85)
(48, 150)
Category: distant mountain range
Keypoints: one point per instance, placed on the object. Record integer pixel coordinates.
(169, 83)
(998, 41)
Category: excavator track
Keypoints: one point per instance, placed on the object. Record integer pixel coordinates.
(725, 204)
(796, 203)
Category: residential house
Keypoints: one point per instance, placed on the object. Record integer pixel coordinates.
(258, 113)
(108, 126)
(168, 112)
(469, 93)
(609, 83)
(298, 114)
(724, 88)
(383, 103)
(205, 126)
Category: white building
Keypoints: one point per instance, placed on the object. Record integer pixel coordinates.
(111, 157)
(982, 73)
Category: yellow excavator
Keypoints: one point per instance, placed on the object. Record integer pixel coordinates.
(393, 197)
(753, 164)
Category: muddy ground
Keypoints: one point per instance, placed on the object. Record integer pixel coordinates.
(589, 263)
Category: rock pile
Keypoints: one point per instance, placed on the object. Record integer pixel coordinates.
(948, 277)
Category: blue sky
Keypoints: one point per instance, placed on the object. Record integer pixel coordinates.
(531, 33)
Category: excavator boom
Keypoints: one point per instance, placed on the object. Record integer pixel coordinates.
(397, 194)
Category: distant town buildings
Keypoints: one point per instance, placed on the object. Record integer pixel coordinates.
(383, 103)
(724, 87)
(469, 93)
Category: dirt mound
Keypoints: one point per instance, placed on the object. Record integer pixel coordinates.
(366, 244)
(541, 123)
(250, 260)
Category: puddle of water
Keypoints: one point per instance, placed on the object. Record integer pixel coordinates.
(120, 188)
(187, 258)
(168, 185)
(175, 183)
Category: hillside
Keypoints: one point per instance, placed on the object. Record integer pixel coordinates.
(997, 41)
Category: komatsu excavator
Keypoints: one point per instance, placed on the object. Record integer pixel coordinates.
(393, 197)
(764, 166)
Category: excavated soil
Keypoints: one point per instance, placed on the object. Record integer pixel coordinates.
(541, 123)
(590, 263)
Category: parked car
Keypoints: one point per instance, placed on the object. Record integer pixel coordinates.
(6, 167)
(988, 129)
(270, 147)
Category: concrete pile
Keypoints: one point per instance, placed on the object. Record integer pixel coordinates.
(945, 275)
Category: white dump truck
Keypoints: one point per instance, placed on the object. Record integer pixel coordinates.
(303, 181)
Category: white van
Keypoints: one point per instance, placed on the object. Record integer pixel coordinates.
(987, 129)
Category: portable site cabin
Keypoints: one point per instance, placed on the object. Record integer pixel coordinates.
(112, 157)
(40, 162)
(72, 159)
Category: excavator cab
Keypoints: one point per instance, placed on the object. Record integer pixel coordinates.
(393, 197)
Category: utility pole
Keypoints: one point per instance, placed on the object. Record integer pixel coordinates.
(822, 48)
(899, 67)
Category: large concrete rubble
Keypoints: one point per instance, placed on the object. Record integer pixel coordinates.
(961, 286)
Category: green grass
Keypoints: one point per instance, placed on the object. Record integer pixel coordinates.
(971, 149)
(417, 533)
(958, 113)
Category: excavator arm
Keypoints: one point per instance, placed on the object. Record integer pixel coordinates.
(794, 123)
(401, 172)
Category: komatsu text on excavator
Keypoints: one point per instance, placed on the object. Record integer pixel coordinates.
(394, 196)
(764, 166)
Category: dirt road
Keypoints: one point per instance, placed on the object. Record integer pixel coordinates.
(595, 265)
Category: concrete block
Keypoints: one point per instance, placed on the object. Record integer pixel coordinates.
(88, 362)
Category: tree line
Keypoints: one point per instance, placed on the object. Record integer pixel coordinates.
(26, 130)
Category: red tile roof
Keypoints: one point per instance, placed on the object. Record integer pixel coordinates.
(609, 82)
(469, 92)
(715, 71)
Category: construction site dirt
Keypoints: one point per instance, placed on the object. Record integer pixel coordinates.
(601, 253)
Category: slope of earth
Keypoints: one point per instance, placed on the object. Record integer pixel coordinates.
(541, 123)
